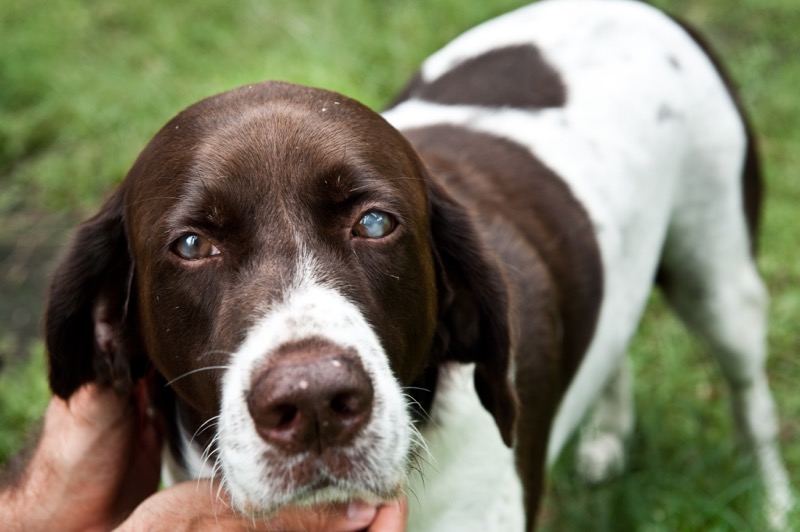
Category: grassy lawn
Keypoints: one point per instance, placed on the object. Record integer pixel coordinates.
(85, 84)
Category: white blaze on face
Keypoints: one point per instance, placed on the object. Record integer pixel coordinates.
(259, 476)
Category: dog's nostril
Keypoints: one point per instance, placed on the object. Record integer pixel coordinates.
(284, 415)
(339, 404)
(346, 404)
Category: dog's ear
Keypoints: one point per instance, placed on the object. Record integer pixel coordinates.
(473, 307)
(87, 308)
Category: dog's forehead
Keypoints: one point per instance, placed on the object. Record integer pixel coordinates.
(265, 159)
(274, 140)
(272, 124)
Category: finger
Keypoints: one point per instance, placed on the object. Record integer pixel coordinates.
(392, 517)
(359, 515)
(90, 427)
(185, 506)
(73, 474)
(94, 407)
(195, 505)
(352, 517)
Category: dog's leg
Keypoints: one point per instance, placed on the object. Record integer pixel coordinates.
(603, 439)
(718, 293)
(730, 315)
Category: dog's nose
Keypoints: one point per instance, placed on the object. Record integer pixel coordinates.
(307, 401)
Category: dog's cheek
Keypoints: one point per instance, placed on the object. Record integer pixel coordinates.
(179, 308)
(402, 307)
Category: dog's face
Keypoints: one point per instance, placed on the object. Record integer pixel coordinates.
(280, 256)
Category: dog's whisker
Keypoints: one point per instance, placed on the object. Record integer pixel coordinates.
(220, 487)
(194, 371)
(209, 451)
(422, 444)
(404, 388)
(216, 352)
(216, 499)
(413, 401)
(206, 456)
(207, 424)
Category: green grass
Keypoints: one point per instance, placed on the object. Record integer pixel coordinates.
(685, 472)
(23, 397)
(84, 84)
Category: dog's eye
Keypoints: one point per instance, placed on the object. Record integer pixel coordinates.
(375, 224)
(192, 246)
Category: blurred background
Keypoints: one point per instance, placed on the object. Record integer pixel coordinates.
(84, 84)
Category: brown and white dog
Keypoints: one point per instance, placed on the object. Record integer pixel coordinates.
(334, 303)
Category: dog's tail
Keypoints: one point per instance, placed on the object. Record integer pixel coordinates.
(752, 180)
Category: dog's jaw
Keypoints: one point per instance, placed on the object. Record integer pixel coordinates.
(257, 476)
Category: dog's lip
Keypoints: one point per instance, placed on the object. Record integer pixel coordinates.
(313, 483)
(321, 482)
(321, 470)
(324, 490)
(328, 490)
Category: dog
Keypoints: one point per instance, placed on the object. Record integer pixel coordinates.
(330, 299)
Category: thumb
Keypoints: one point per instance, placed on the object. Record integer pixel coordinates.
(202, 504)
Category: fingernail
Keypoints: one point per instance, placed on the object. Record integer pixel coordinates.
(360, 511)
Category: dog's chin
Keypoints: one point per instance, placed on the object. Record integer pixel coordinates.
(319, 495)
(324, 491)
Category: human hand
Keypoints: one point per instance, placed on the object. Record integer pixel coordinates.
(98, 460)
(201, 505)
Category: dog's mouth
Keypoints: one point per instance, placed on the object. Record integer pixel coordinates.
(329, 476)
(330, 467)
(313, 484)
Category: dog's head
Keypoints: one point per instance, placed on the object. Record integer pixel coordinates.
(281, 257)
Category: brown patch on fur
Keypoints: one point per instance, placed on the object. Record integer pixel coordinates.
(514, 76)
(544, 242)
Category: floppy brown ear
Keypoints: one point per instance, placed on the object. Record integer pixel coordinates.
(85, 321)
(473, 307)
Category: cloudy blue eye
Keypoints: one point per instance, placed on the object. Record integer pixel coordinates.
(375, 224)
(192, 246)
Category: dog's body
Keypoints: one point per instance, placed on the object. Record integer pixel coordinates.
(344, 290)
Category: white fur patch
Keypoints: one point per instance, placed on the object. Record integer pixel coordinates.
(257, 476)
(467, 479)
